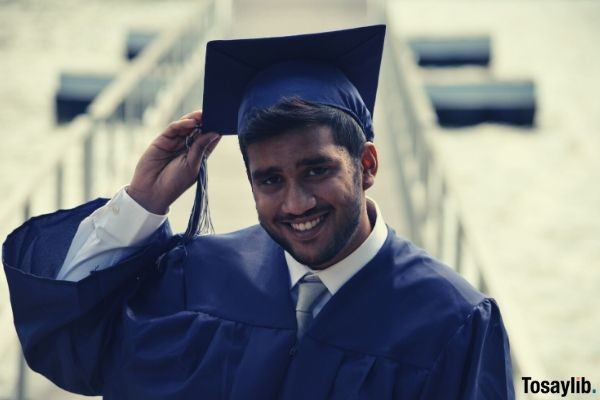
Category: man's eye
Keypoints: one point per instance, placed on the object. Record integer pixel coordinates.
(272, 180)
(317, 171)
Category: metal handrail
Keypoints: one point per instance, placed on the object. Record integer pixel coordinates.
(427, 170)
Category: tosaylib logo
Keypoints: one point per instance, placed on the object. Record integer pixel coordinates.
(575, 385)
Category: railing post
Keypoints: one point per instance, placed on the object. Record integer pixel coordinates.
(482, 286)
(128, 108)
(460, 235)
(111, 159)
(60, 184)
(88, 165)
(441, 216)
(21, 389)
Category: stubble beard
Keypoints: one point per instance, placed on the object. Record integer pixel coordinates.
(344, 234)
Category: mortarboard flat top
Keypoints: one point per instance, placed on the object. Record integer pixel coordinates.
(338, 68)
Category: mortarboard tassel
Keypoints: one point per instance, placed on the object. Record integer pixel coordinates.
(200, 221)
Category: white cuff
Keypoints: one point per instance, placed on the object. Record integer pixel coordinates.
(125, 221)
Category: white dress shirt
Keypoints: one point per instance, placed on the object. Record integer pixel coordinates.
(122, 226)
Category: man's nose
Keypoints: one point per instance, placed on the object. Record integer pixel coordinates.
(298, 200)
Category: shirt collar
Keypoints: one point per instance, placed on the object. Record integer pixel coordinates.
(335, 276)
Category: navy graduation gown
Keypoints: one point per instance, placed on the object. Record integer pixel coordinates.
(214, 320)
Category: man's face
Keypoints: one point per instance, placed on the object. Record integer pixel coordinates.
(308, 194)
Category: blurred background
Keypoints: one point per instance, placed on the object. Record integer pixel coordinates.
(487, 123)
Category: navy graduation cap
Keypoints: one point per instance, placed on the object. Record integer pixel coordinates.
(338, 69)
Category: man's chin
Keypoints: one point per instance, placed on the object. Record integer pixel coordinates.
(319, 260)
(311, 259)
(310, 262)
(314, 258)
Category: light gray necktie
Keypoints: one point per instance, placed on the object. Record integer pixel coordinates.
(310, 289)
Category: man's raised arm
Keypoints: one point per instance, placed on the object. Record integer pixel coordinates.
(119, 228)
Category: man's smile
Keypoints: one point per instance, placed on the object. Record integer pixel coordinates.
(306, 228)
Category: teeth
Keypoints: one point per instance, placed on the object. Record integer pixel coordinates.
(304, 226)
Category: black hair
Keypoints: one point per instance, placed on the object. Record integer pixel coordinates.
(294, 113)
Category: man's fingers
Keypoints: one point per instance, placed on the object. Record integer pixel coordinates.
(211, 146)
(195, 115)
(183, 127)
(204, 143)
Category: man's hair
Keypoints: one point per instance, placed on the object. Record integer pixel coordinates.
(294, 113)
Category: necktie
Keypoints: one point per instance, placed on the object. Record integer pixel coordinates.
(310, 289)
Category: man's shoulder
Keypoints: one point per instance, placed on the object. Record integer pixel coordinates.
(420, 274)
(238, 252)
(404, 305)
(244, 239)
(238, 276)
(420, 299)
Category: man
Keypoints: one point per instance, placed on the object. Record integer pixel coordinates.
(319, 301)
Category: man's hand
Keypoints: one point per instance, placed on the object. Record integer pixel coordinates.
(166, 169)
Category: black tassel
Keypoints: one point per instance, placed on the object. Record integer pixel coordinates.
(200, 221)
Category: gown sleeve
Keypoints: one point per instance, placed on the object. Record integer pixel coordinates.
(475, 364)
(67, 329)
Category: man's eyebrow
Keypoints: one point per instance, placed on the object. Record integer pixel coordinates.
(314, 161)
(305, 162)
(263, 173)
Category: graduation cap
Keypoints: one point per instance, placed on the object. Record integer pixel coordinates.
(338, 69)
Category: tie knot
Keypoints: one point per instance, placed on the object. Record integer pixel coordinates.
(310, 277)
(310, 289)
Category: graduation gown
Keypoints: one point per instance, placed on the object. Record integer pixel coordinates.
(214, 320)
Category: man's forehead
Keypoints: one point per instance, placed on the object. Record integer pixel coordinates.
(295, 148)
(301, 137)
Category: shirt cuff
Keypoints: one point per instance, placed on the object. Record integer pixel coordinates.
(125, 221)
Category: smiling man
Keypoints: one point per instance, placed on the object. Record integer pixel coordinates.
(320, 301)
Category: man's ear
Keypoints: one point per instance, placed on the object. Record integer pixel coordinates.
(369, 165)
